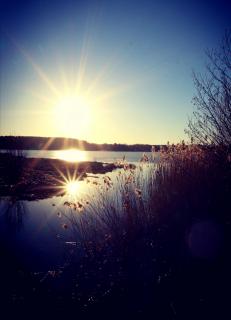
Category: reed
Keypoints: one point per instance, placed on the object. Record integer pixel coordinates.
(136, 233)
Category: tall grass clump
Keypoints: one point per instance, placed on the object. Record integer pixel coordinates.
(187, 179)
(156, 232)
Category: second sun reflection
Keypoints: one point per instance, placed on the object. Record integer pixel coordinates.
(71, 155)
(71, 184)
(72, 188)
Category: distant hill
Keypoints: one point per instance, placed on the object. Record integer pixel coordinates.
(38, 143)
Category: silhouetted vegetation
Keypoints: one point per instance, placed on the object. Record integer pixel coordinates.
(38, 143)
(211, 123)
(155, 240)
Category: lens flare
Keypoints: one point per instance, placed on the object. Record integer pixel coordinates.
(72, 188)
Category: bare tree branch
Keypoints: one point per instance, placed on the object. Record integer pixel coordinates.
(211, 121)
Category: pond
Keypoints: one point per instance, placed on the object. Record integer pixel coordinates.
(39, 232)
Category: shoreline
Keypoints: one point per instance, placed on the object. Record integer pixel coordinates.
(41, 178)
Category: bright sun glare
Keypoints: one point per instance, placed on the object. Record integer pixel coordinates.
(70, 182)
(73, 106)
(71, 155)
(72, 115)
(72, 188)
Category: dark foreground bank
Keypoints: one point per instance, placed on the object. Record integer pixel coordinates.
(35, 178)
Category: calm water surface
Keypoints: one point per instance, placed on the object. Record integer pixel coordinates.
(79, 155)
(39, 232)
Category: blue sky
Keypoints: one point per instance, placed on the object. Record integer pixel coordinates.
(104, 71)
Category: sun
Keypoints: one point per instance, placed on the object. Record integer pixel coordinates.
(72, 116)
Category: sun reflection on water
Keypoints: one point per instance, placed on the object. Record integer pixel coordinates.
(72, 188)
(71, 155)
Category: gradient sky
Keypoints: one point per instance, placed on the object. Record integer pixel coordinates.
(104, 71)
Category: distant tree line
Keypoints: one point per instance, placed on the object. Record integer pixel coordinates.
(38, 143)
